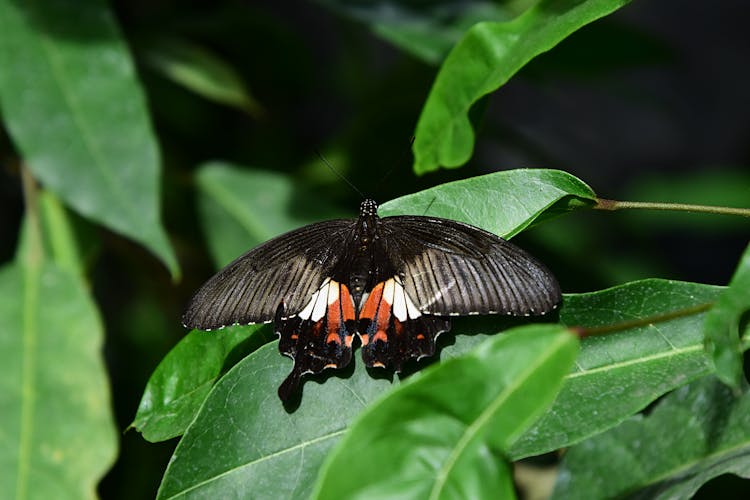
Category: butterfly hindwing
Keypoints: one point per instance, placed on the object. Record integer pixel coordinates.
(453, 269)
(319, 336)
(289, 268)
(392, 330)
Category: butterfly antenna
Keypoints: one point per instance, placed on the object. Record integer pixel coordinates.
(339, 174)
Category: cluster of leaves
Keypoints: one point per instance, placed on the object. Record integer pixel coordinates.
(453, 429)
(75, 112)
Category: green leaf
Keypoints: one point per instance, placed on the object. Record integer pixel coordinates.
(694, 434)
(485, 58)
(244, 444)
(74, 109)
(723, 325)
(241, 208)
(58, 434)
(504, 203)
(445, 434)
(202, 72)
(650, 341)
(180, 384)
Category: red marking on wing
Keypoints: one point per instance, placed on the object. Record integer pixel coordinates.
(337, 314)
(380, 335)
(370, 308)
(378, 311)
(347, 303)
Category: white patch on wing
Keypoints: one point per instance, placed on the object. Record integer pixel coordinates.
(328, 293)
(333, 292)
(402, 307)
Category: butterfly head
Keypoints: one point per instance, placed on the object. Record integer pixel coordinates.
(368, 208)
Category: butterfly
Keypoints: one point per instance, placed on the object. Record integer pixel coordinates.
(391, 282)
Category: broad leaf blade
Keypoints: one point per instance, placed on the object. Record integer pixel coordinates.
(75, 111)
(723, 325)
(445, 434)
(503, 203)
(655, 345)
(243, 207)
(694, 434)
(182, 381)
(51, 367)
(486, 57)
(243, 443)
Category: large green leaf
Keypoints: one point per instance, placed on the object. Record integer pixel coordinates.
(183, 379)
(485, 58)
(243, 207)
(446, 434)
(503, 203)
(244, 444)
(693, 435)
(75, 111)
(651, 343)
(58, 435)
(724, 322)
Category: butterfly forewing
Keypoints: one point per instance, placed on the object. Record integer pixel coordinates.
(452, 269)
(288, 268)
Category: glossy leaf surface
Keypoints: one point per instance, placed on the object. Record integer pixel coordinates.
(183, 379)
(651, 342)
(245, 444)
(445, 434)
(693, 435)
(503, 203)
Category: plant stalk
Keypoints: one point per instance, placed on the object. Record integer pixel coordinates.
(604, 204)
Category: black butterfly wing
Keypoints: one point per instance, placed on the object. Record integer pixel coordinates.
(288, 269)
(451, 269)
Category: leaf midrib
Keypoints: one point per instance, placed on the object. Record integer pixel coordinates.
(301, 445)
(31, 275)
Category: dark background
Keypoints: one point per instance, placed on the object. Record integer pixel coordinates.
(648, 104)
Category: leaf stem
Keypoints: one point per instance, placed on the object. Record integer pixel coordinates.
(604, 204)
(34, 252)
(648, 320)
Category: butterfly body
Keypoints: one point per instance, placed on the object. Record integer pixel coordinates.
(390, 282)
